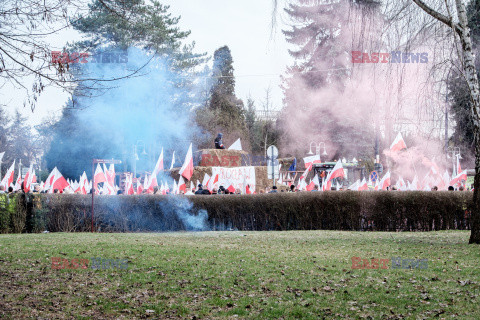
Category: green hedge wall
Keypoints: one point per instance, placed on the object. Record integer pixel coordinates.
(333, 210)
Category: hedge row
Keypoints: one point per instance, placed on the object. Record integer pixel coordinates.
(335, 210)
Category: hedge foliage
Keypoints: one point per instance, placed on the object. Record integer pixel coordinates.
(333, 210)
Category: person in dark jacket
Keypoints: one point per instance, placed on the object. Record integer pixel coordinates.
(199, 189)
(219, 142)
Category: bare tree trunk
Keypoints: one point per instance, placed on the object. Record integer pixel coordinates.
(470, 74)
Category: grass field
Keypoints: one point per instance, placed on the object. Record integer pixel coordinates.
(227, 275)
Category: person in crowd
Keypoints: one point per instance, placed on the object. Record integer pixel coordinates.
(214, 191)
(315, 188)
(2, 189)
(221, 190)
(451, 188)
(10, 190)
(119, 192)
(219, 142)
(292, 188)
(461, 188)
(199, 189)
(435, 188)
(274, 190)
(227, 191)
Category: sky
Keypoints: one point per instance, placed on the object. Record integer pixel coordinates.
(260, 53)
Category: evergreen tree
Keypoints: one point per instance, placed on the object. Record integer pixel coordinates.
(322, 38)
(20, 141)
(224, 111)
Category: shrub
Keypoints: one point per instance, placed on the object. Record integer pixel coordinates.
(332, 210)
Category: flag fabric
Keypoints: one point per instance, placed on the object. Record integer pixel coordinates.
(398, 144)
(354, 186)
(459, 168)
(111, 175)
(182, 186)
(27, 182)
(84, 183)
(99, 175)
(336, 172)
(237, 145)
(175, 187)
(158, 165)
(458, 178)
(187, 169)
(311, 160)
(55, 181)
(8, 178)
(173, 160)
(293, 167)
(18, 183)
(206, 178)
(363, 185)
(385, 182)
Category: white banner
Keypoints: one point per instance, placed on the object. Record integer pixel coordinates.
(236, 176)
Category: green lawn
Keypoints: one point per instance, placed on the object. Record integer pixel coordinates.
(256, 275)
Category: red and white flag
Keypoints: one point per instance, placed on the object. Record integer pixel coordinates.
(99, 175)
(459, 178)
(385, 182)
(27, 182)
(182, 186)
(8, 179)
(459, 168)
(18, 184)
(56, 181)
(159, 165)
(173, 160)
(84, 183)
(398, 144)
(336, 172)
(354, 186)
(311, 160)
(187, 169)
(363, 185)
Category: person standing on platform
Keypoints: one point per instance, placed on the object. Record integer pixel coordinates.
(219, 142)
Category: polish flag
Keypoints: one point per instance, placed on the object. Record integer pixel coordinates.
(173, 160)
(385, 182)
(237, 145)
(139, 188)
(311, 160)
(305, 173)
(18, 184)
(182, 186)
(192, 187)
(400, 185)
(99, 175)
(231, 188)
(27, 183)
(363, 185)
(211, 182)
(84, 183)
(398, 144)
(354, 186)
(336, 172)
(187, 169)
(159, 165)
(206, 178)
(129, 185)
(312, 183)
(459, 177)
(56, 181)
(8, 179)
(459, 168)
(111, 175)
(175, 187)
